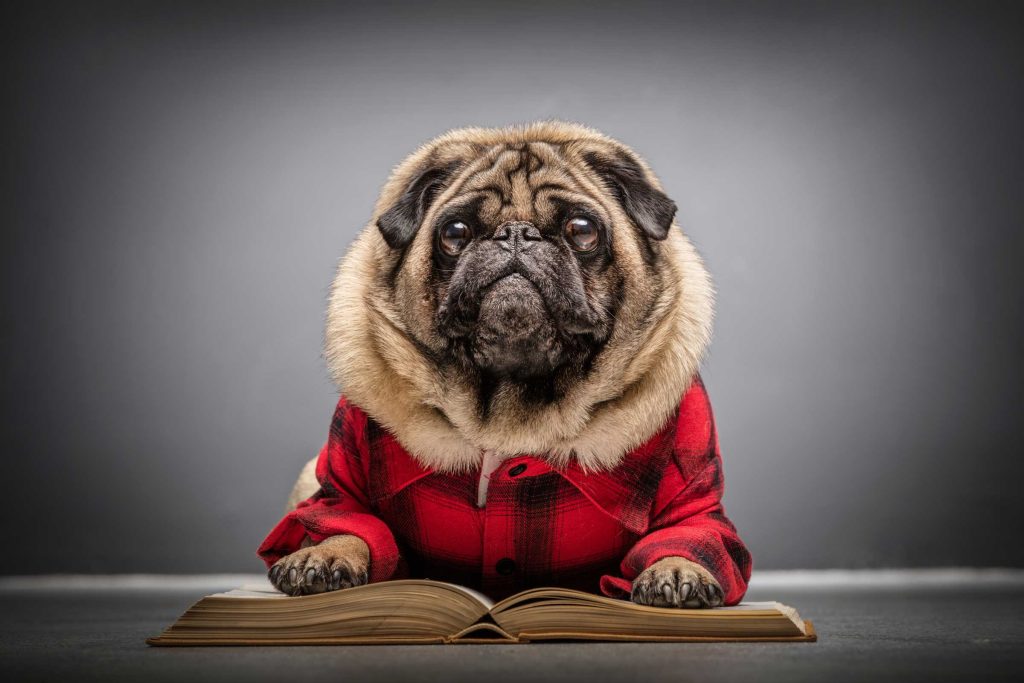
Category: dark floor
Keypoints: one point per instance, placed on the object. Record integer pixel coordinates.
(956, 632)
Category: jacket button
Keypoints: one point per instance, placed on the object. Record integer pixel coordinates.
(517, 470)
(505, 566)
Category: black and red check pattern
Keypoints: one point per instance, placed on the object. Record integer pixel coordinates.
(540, 526)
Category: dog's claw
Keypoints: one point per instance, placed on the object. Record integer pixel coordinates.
(336, 563)
(676, 582)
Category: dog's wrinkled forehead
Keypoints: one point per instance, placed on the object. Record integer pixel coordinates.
(524, 182)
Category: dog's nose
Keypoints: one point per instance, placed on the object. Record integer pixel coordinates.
(513, 234)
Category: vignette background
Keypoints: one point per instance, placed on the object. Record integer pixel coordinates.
(181, 180)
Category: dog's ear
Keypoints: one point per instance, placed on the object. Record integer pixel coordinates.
(399, 223)
(649, 207)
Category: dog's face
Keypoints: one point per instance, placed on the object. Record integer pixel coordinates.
(512, 259)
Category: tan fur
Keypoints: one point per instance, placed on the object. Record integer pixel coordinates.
(305, 486)
(662, 330)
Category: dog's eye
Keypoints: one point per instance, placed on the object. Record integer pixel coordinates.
(581, 233)
(454, 237)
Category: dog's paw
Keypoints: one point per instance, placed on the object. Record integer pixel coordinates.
(676, 582)
(337, 562)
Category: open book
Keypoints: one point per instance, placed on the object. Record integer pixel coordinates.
(434, 612)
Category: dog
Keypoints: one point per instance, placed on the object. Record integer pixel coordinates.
(517, 333)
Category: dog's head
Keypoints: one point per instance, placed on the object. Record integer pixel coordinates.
(519, 243)
(524, 268)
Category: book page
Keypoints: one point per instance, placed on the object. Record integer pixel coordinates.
(560, 613)
(404, 610)
(264, 589)
(766, 605)
(476, 595)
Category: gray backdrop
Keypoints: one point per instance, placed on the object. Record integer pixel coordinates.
(180, 182)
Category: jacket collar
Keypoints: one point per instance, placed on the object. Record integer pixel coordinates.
(625, 493)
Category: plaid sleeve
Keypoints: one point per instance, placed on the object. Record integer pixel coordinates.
(341, 506)
(688, 519)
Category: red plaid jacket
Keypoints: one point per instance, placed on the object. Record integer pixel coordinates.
(540, 525)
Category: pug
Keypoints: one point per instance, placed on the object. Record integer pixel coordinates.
(517, 334)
